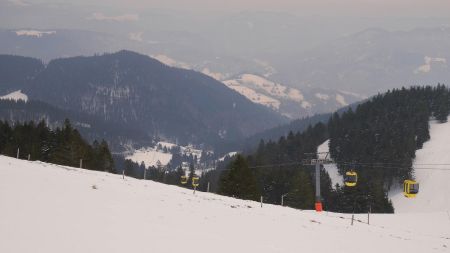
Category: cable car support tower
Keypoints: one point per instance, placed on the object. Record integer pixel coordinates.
(318, 163)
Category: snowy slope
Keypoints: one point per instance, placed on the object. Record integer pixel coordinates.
(331, 169)
(16, 96)
(263, 91)
(229, 154)
(434, 184)
(49, 208)
(289, 101)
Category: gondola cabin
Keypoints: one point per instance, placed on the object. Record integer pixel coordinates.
(184, 180)
(351, 178)
(410, 188)
(195, 181)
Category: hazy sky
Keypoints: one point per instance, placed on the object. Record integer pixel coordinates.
(366, 8)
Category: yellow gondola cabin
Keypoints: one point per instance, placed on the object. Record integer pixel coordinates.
(410, 188)
(184, 180)
(351, 178)
(195, 181)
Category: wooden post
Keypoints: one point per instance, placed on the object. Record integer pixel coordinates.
(123, 174)
(369, 209)
(207, 188)
(18, 152)
(145, 173)
(29, 157)
(353, 217)
(81, 163)
(261, 201)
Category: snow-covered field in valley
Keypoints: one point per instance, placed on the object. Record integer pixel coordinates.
(150, 157)
(50, 208)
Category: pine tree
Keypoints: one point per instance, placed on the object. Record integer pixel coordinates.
(301, 194)
(238, 181)
(128, 167)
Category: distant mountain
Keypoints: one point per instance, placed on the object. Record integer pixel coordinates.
(49, 44)
(373, 60)
(57, 43)
(141, 92)
(337, 72)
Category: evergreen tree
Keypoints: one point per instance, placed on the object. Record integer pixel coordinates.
(238, 181)
(301, 194)
(63, 146)
(128, 168)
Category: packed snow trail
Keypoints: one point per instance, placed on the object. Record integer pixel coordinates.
(434, 183)
(51, 209)
(332, 170)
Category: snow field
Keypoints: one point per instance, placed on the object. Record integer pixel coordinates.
(50, 208)
(150, 157)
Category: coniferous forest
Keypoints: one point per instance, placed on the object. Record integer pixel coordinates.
(63, 146)
(387, 129)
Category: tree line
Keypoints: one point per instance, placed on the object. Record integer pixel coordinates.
(63, 146)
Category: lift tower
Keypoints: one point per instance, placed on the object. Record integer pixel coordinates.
(318, 163)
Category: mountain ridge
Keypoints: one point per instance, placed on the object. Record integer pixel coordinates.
(165, 102)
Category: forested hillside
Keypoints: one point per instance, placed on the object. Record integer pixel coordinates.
(138, 91)
(387, 129)
(89, 126)
(17, 72)
(63, 146)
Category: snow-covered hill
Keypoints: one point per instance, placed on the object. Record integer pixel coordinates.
(289, 101)
(263, 91)
(50, 208)
(16, 96)
(434, 183)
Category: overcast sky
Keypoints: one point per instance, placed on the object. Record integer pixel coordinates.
(366, 8)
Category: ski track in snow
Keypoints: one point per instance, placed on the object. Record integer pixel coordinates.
(331, 169)
(434, 184)
(51, 208)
